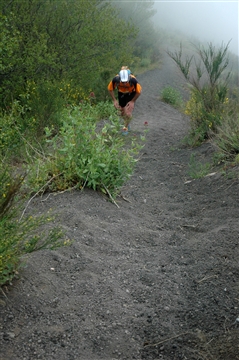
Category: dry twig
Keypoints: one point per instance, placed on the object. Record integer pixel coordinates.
(168, 339)
(37, 193)
(207, 278)
(110, 196)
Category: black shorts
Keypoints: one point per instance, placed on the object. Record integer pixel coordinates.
(124, 98)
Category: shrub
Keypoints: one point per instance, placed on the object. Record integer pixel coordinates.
(209, 88)
(204, 123)
(85, 154)
(171, 96)
(44, 102)
(100, 85)
(28, 116)
(145, 62)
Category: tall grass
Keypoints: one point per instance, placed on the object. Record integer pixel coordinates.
(20, 234)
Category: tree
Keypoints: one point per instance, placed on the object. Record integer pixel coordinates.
(71, 39)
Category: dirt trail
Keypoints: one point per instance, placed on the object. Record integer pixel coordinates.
(156, 278)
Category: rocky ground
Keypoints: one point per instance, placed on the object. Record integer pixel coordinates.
(155, 278)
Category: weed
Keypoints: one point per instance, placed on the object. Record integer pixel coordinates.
(197, 170)
(20, 234)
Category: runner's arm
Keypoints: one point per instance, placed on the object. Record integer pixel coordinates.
(112, 95)
(135, 97)
(116, 105)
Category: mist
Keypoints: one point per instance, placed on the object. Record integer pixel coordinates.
(207, 21)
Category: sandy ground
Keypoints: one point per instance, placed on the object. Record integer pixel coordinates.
(156, 278)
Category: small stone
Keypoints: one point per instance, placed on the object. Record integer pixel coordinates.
(2, 303)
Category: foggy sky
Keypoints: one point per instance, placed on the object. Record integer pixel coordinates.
(209, 21)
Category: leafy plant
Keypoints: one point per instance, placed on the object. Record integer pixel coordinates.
(85, 153)
(171, 96)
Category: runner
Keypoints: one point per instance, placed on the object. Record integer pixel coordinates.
(129, 90)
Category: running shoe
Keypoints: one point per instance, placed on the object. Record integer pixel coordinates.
(125, 131)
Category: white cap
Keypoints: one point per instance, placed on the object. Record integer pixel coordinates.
(124, 75)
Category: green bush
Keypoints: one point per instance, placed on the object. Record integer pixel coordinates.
(43, 103)
(20, 234)
(100, 85)
(145, 62)
(18, 124)
(171, 96)
(204, 122)
(85, 153)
